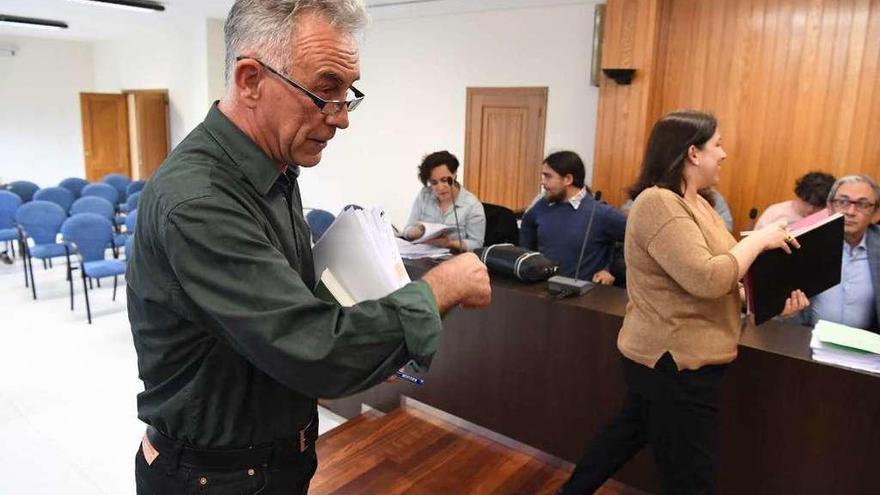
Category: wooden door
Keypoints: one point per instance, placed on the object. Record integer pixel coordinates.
(152, 141)
(504, 144)
(105, 134)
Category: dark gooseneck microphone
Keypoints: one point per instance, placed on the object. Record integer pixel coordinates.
(451, 183)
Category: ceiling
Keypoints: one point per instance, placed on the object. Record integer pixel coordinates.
(98, 22)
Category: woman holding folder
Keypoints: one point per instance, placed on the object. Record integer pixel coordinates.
(682, 323)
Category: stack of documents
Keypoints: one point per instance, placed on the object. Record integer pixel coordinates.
(358, 259)
(846, 346)
(409, 250)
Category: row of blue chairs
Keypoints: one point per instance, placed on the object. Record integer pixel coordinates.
(34, 226)
(115, 188)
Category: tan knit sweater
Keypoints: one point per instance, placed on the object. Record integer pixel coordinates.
(682, 283)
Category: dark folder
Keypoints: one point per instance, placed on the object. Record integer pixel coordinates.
(814, 268)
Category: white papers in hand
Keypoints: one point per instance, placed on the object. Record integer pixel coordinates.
(433, 231)
(358, 255)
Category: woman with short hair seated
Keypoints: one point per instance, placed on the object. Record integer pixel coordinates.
(443, 200)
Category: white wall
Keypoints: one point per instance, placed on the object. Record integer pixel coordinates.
(174, 59)
(40, 126)
(415, 70)
(216, 59)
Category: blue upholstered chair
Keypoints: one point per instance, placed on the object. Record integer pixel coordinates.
(93, 204)
(40, 221)
(89, 234)
(135, 186)
(24, 189)
(101, 190)
(130, 225)
(131, 203)
(119, 182)
(9, 203)
(74, 185)
(319, 221)
(101, 207)
(58, 195)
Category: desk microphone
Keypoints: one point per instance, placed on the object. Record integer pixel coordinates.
(461, 243)
(560, 286)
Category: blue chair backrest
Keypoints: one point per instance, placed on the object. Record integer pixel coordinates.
(41, 220)
(24, 189)
(132, 201)
(119, 182)
(58, 195)
(90, 232)
(131, 221)
(319, 221)
(93, 204)
(135, 186)
(101, 190)
(9, 203)
(74, 185)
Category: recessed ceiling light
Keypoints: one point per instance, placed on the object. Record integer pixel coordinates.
(139, 5)
(33, 22)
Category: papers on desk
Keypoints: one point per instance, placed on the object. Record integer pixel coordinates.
(433, 231)
(846, 346)
(411, 251)
(358, 258)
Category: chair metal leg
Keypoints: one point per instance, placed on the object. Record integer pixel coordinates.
(45, 265)
(50, 263)
(115, 277)
(99, 283)
(33, 285)
(91, 285)
(69, 276)
(24, 255)
(86, 292)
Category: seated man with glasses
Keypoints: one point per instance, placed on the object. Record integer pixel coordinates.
(856, 300)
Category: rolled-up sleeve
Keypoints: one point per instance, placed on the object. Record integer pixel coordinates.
(245, 290)
(680, 249)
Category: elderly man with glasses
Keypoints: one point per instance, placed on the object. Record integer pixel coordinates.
(233, 346)
(856, 300)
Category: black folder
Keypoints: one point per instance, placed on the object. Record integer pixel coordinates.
(814, 268)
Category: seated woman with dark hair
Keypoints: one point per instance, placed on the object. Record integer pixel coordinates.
(811, 194)
(444, 200)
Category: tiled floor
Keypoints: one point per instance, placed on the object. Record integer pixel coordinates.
(68, 421)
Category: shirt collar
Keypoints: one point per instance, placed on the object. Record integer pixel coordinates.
(257, 167)
(861, 246)
(575, 201)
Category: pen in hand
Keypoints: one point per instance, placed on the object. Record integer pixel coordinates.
(409, 378)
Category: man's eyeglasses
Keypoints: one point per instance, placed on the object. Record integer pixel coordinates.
(863, 205)
(327, 107)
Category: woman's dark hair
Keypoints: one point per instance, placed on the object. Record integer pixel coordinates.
(668, 146)
(434, 160)
(813, 188)
(567, 163)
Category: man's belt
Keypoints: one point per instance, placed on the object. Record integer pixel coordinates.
(278, 452)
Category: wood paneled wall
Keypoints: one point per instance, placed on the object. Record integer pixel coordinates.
(795, 85)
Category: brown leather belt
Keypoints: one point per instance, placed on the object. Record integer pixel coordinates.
(278, 452)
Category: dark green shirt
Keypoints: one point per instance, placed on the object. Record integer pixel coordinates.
(233, 346)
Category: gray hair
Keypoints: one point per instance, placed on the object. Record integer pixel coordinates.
(850, 179)
(264, 28)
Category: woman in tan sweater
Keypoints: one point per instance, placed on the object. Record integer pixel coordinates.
(682, 323)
